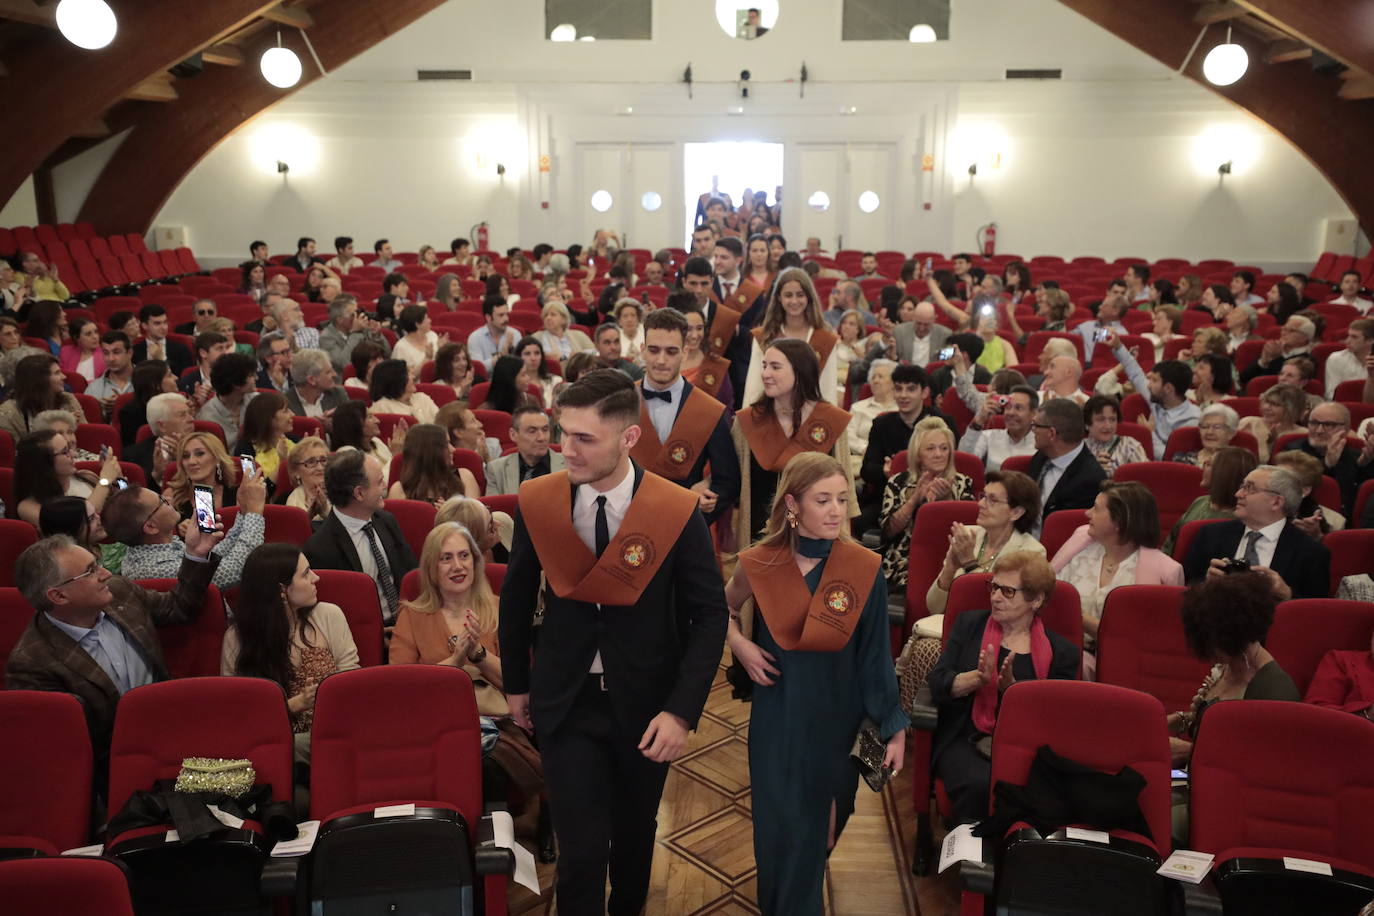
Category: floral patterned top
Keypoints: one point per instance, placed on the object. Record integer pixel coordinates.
(897, 550)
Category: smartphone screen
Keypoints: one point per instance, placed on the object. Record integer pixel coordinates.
(247, 465)
(1102, 335)
(205, 508)
(946, 353)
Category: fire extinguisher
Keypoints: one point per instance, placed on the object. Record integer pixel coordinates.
(988, 239)
(482, 234)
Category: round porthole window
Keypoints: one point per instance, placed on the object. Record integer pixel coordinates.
(868, 201)
(819, 200)
(601, 200)
(651, 201)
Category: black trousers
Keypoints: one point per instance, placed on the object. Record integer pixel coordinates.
(604, 794)
(966, 774)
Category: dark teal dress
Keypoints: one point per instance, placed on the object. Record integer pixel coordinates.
(800, 732)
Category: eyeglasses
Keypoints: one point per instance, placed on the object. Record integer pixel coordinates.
(1035, 425)
(1249, 488)
(64, 451)
(161, 501)
(90, 571)
(205, 312)
(986, 497)
(316, 462)
(1324, 424)
(1008, 591)
(1212, 427)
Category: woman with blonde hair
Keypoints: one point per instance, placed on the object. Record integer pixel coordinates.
(427, 473)
(815, 653)
(305, 464)
(491, 529)
(1281, 410)
(558, 337)
(202, 461)
(793, 311)
(930, 476)
(427, 259)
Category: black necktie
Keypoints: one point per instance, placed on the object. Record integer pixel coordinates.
(384, 577)
(603, 529)
(650, 394)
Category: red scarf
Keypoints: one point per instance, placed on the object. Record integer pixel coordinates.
(985, 703)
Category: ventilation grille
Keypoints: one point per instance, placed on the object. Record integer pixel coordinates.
(443, 74)
(1035, 74)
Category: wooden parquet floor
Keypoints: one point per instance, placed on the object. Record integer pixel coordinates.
(704, 860)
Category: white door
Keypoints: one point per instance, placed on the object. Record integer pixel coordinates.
(814, 206)
(601, 195)
(870, 197)
(650, 210)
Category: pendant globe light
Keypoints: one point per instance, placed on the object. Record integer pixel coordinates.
(280, 66)
(1226, 63)
(88, 24)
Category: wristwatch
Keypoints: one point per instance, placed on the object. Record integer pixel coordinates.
(104, 481)
(476, 657)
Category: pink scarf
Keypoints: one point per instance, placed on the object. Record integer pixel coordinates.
(985, 703)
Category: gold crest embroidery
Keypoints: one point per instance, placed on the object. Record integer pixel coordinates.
(709, 378)
(819, 433)
(678, 452)
(840, 599)
(717, 342)
(636, 552)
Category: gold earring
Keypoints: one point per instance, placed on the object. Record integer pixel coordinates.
(791, 517)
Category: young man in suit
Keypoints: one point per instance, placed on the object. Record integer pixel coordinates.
(634, 625)
(681, 428)
(1262, 535)
(152, 320)
(1068, 474)
(732, 289)
(359, 534)
(93, 634)
(529, 430)
(890, 434)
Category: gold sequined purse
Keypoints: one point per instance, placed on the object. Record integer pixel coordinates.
(215, 774)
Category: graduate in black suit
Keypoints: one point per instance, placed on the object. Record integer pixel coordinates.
(696, 427)
(633, 630)
(732, 287)
(1263, 535)
(1069, 476)
(358, 534)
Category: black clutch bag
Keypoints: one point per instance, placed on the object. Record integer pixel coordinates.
(868, 752)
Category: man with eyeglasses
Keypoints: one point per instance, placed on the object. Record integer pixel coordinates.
(1068, 473)
(1263, 539)
(1328, 426)
(205, 312)
(94, 634)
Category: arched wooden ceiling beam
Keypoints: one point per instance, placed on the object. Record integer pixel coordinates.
(54, 88)
(168, 140)
(1342, 29)
(1335, 135)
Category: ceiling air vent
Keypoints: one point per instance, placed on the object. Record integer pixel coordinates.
(443, 74)
(1035, 74)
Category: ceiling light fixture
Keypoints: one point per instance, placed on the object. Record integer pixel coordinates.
(921, 34)
(1226, 63)
(280, 66)
(563, 32)
(88, 24)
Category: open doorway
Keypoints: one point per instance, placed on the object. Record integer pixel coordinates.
(728, 168)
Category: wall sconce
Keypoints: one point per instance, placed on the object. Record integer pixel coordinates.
(1224, 169)
(500, 170)
(282, 167)
(972, 170)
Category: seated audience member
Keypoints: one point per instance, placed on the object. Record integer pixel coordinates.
(1313, 519)
(348, 327)
(1213, 379)
(427, 473)
(169, 419)
(210, 346)
(1282, 408)
(1225, 620)
(1216, 426)
(274, 360)
(1118, 546)
(506, 391)
(1242, 321)
(865, 411)
(493, 530)
(234, 378)
(384, 257)
(148, 524)
(1328, 426)
(316, 392)
(967, 682)
(1108, 319)
(1295, 339)
(607, 337)
(930, 476)
(60, 421)
(1262, 536)
(344, 260)
(94, 635)
(1344, 680)
(1216, 300)
(305, 465)
(80, 521)
(81, 354)
(967, 348)
(1062, 376)
(1350, 293)
(149, 380)
(998, 352)
(628, 317)
(1165, 386)
(1102, 414)
(1067, 472)
(558, 337)
(496, 337)
(365, 357)
(202, 461)
(153, 327)
(44, 470)
(1242, 286)
(1007, 510)
(355, 428)
(461, 250)
(891, 432)
(1348, 365)
(1221, 478)
(532, 456)
(266, 436)
(225, 328)
(39, 385)
(392, 390)
(466, 431)
(296, 649)
(994, 446)
(418, 342)
(1168, 320)
(359, 534)
(535, 371)
(453, 367)
(119, 371)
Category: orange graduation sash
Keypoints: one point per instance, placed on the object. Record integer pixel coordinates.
(724, 324)
(657, 514)
(710, 374)
(819, 622)
(822, 342)
(692, 428)
(772, 449)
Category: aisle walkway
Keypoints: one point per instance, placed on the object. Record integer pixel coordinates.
(704, 862)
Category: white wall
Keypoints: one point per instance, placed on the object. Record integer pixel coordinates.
(22, 208)
(1098, 163)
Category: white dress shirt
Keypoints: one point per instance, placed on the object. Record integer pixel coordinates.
(112, 649)
(995, 445)
(1264, 547)
(662, 413)
(361, 543)
(1054, 469)
(1362, 305)
(584, 521)
(920, 351)
(1343, 366)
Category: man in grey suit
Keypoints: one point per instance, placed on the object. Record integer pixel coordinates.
(529, 430)
(917, 342)
(315, 393)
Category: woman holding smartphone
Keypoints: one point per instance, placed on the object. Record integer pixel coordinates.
(202, 461)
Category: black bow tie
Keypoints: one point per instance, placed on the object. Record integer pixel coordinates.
(650, 394)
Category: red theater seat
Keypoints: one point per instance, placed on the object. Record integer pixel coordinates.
(46, 886)
(1140, 645)
(44, 807)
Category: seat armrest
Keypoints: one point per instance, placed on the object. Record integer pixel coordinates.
(872, 538)
(923, 712)
(1201, 899)
(978, 877)
(281, 876)
(490, 858)
(896, 610)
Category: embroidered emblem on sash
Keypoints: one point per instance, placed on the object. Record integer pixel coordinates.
(710, 377)
(636, 551)
(840, 599)
(679, 451)
(818, 432)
